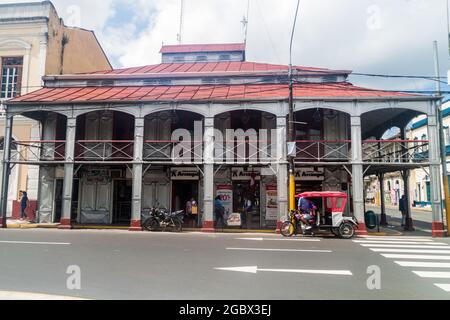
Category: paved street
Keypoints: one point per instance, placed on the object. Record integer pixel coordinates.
(124, 265)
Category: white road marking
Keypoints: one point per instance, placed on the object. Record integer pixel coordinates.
(255, 270)
(15, 295)
(276, 239)
(37, 243)
(424, 239)
(415, 256)
(421, 264)
(280, 250)
(433, 274)
(398, 242)
(405, 246)
(410, 250)
(443, 286)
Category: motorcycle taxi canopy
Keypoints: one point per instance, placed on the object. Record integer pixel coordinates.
(334, 201)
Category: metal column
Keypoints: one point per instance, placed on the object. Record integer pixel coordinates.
(383, 219)
(136, 206)
(208, 176)
(68, 174)
(357, 174)
(6, 169)
(435, 175)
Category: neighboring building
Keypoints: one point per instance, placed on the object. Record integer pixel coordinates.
(128, 140)
(419, 182)
(34, 42)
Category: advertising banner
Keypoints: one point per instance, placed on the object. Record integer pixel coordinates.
(271, 203)
(225, 192)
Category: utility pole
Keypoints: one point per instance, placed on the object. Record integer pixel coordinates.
(443, 147)
(180, 34)
(6, 168)
(291, 124)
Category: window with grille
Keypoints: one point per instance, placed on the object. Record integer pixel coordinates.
(11, 77)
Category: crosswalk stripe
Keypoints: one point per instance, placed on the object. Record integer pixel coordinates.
(404, 246)
(396, 237)
(433, 274)
(399, 239)
(421, 264)
(443, 286)
(410, 250)
(415, 256)
(398, 242)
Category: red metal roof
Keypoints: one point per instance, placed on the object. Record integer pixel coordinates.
(193, 93)
(191, 48)
(204, 67)
(322, 194)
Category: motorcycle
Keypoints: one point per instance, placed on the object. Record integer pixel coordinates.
(161, 220)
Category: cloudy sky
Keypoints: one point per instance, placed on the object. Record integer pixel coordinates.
(367, 36)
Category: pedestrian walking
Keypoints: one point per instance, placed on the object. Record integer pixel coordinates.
(24, 204)
(403, 209)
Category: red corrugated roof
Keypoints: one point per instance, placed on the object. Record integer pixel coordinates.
(200, 93)
(205, 67)
(194, 48)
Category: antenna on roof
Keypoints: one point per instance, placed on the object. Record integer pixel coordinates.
(180, 34)
(245, 22)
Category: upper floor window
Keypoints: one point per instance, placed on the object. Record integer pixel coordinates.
(11, 77)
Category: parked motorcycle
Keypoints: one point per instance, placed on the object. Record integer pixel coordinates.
(161, 220)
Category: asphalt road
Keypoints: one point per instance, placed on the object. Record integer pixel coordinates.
(124, 265)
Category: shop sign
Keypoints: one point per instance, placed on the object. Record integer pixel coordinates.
(271, 203)
(246, 174)
(309, 174)
(234, 220)
(185, 174)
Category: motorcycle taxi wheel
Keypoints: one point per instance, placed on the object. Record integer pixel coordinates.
(287, 229)
(346, 230)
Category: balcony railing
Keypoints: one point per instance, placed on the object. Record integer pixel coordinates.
(45, 150)
(323, 151)
(239, 152)
(167, 151)
(104, 150)
(395, 151)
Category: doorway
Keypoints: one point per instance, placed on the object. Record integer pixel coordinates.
(247, 201)
(122, 202)
(182, 192)
(59, 185)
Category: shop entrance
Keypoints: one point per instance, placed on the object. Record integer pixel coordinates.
(247, 201)
(122, 202)
(182, 192)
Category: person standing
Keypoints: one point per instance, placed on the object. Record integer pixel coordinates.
(403, 209)
(219, 211)
(24, 204)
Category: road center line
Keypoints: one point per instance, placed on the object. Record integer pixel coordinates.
(279, 250)
(37, 243)
(275, 239)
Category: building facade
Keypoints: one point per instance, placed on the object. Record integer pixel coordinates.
(34, 42)
(117, 143)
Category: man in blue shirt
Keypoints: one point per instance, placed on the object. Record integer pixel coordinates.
(306, 208)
